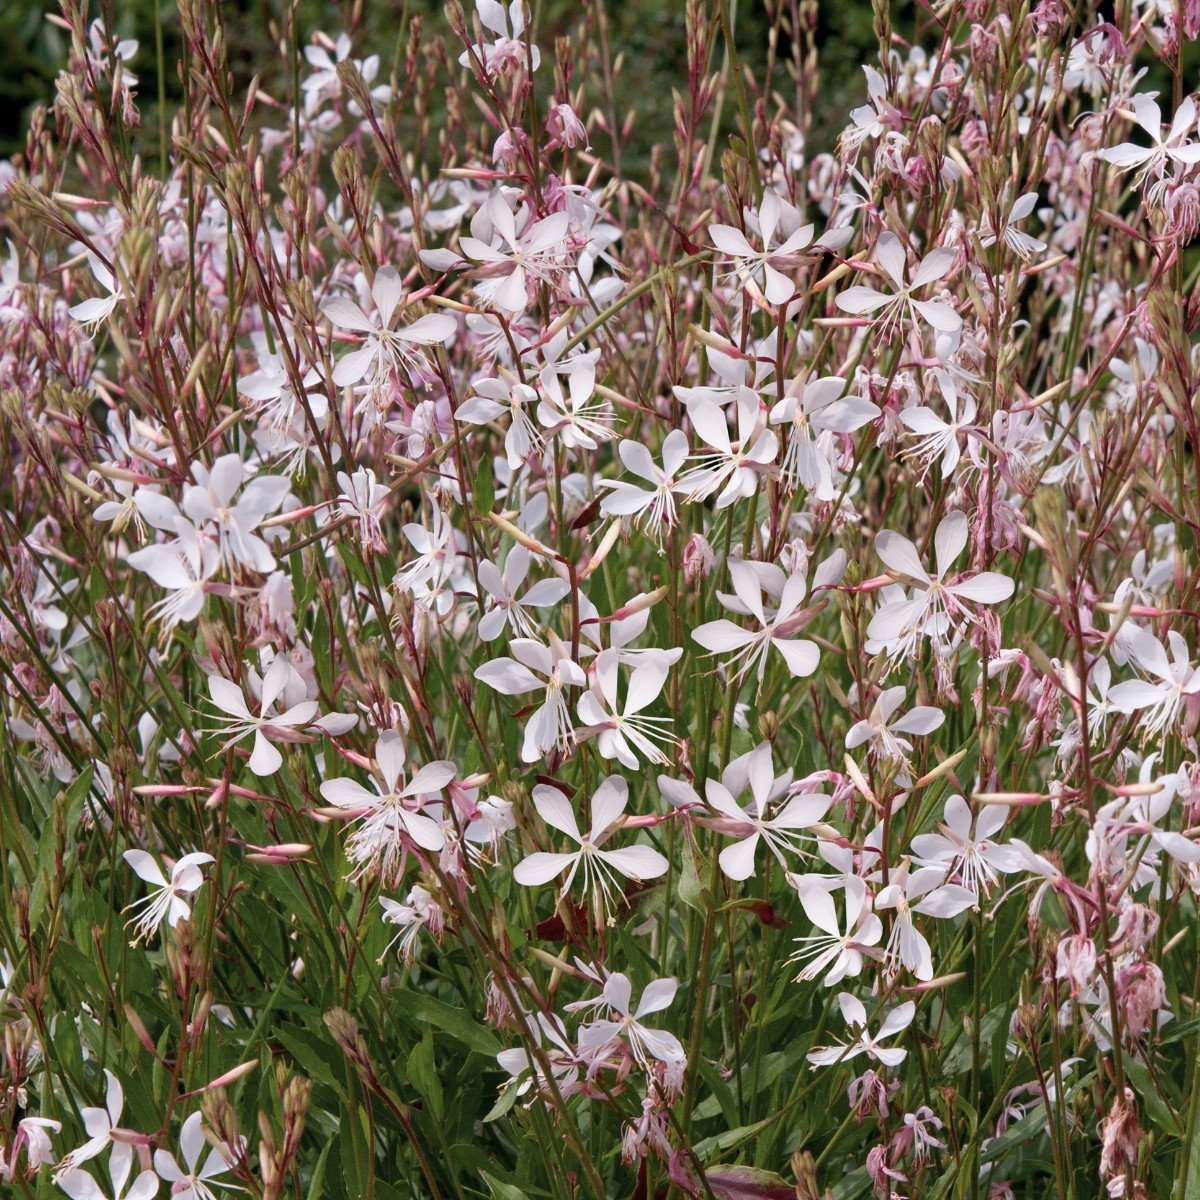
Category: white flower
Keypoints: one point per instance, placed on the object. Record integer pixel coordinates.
(751, 824)
(192, 1183)
(363, 499)
(99, 308)
(655, 506)
(809, 408)
(492, 399)
(1021, 244)
(623, 727)
(506, 607)
(1173, 147)
(762, 266)
(508, 259)
(535, 667)
(508, 51)
(183, 568)
(839, 945)
(391, 813)
(855, 1015)
(168, 900)
(266, 724)
(896, 306)
(776, 627)
(99, 1123)
(964, 847)
(384, 349)
(934, 437)
(1164, 696)
(625, 1024)
(81, 1186)
(937, 605)
(732, 468)
(922, 891)
(882, 735)
(599, 866)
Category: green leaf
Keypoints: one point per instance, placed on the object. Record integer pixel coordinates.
(503, 1191)
(457, 1022)
(422, 1074)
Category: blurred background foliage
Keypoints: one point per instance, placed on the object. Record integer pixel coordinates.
(649, 34)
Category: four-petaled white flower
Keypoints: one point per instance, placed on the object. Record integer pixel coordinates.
(384, 349)
(840, 946)
(169, 898)
(810, 408)
(894, 307)
(625, 1024)
(921, 891)
(506, 607)
(1171, 147)
(939, 603)
(854, 1013)
(533, 668)
(267, 725)
(390, 814)
(763, 265)
(777, 626)
(781, 832)
(597, 865)
(193, 1181)
(622, 726)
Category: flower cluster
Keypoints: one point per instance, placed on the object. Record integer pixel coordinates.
(601, 682)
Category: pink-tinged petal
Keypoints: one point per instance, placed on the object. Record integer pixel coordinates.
(144, 867)
(228, 697)
(899, 1019)
(859, 300)
(818, 906)
(802, 656)
(353, 367)
(540, 868)
(947, 901)
(508, 677)
(853, 1011)
(658, 996)
(345, 314)
(1133, 694)
(988, 587)
(265, 759)
(636, 862)
(949, 541)
(608, 803)
(933, 266)
(431, 330)
(719, 637)
(387, 291)
(731, 241)
(1126, 155)
(423, 830)
(737, 861)
(555, 809)
(347, 793)
(941, 316)
(893, 620)
(899, 555)
(889, 253)
(430, 778)
(920, 721)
